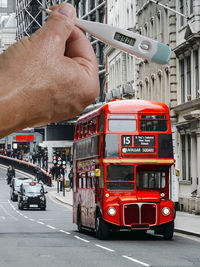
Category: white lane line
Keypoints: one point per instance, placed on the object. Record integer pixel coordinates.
(52, 227)
(139, 262)
(32, 220)
(25, 217)
(40, 222)
(65, 232)
(21, 214)
(111, 250)
(84, 240)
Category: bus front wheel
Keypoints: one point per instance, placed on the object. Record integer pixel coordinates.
(168, 230)
(101, 228)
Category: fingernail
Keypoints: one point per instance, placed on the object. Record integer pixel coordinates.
(66, 10)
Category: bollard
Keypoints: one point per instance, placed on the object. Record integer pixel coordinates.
(64, 181)
(57, 185)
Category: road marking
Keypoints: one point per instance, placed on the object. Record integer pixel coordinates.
(65, 232)
(111, 250)
(21, 214)
(6, 212)
(51, 227)
(40, 222)
(84, 240)
(32, 220)
(140, 262)
(25, 217)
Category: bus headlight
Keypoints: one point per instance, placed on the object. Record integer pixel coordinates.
(166, 211)
(111, 211)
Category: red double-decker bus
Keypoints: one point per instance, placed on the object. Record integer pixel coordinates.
(122, 157)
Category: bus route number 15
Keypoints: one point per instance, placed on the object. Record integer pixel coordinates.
(126, 140)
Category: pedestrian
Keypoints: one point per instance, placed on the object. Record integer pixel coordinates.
(40, 175)
(10, 174)
(70, 177)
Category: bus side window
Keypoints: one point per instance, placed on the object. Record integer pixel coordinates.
(101, 178)
(94, 125)
(89, 180)
(93, 179)
(85, 129)
(101, 123)
(83, 180)
(80, 180)
(89, 127)
(81, 131)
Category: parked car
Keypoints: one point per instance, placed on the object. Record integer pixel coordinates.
(32, 195)
(15, 186)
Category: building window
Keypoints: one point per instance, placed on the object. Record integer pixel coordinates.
(182, 80)
(183, 157)
(188, 62)
(189, 155)
(3, 3)
(182, 12)
(196, 72)
(191, 6)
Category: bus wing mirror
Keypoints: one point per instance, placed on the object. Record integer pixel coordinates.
(97, 172)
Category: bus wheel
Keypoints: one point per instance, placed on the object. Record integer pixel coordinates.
(101, 228)
(79, 224)
(168, 231)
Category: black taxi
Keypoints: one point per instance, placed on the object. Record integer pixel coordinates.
(31, 195)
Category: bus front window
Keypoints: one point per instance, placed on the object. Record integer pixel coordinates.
(120, 177)
(151, 179)
(122, 125)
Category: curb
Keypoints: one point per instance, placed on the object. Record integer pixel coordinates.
(186, 232)
(64, 202)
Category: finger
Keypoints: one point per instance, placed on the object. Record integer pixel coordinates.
(79, 48)
(58, 27)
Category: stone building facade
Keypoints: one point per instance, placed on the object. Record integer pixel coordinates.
(120, 66)
(159, 82)
(188, 104)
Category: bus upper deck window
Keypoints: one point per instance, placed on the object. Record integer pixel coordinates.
(151, 123)
(85, 129)
(122, 123)
(101, 123)
(94, 126)
(81, 131)
(89, 127)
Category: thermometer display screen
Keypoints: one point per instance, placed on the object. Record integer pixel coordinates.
(124, 39)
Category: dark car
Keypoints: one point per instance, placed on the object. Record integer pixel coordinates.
(15, 187)
(32, 195)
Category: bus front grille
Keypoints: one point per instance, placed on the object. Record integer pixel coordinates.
(140, 213)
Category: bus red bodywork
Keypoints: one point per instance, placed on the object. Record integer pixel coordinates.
(122, 158)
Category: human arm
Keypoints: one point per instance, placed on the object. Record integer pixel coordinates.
(48, 77)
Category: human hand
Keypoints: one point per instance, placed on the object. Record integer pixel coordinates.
(48, 77)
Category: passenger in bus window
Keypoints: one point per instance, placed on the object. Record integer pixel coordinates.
(53, 74)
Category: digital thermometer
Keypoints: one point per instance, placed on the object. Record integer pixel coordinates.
(124, 40)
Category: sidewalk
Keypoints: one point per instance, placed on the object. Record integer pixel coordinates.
(185, 223)
(67, 199)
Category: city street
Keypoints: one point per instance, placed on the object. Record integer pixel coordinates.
(49, 238)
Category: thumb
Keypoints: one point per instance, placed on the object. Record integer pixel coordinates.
(59, 25)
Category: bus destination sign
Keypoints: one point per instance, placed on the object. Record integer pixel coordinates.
(144, 140)
(138, 150)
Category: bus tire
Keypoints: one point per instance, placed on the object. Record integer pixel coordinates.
(79, 223)
(168, 230)
(101, 228)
